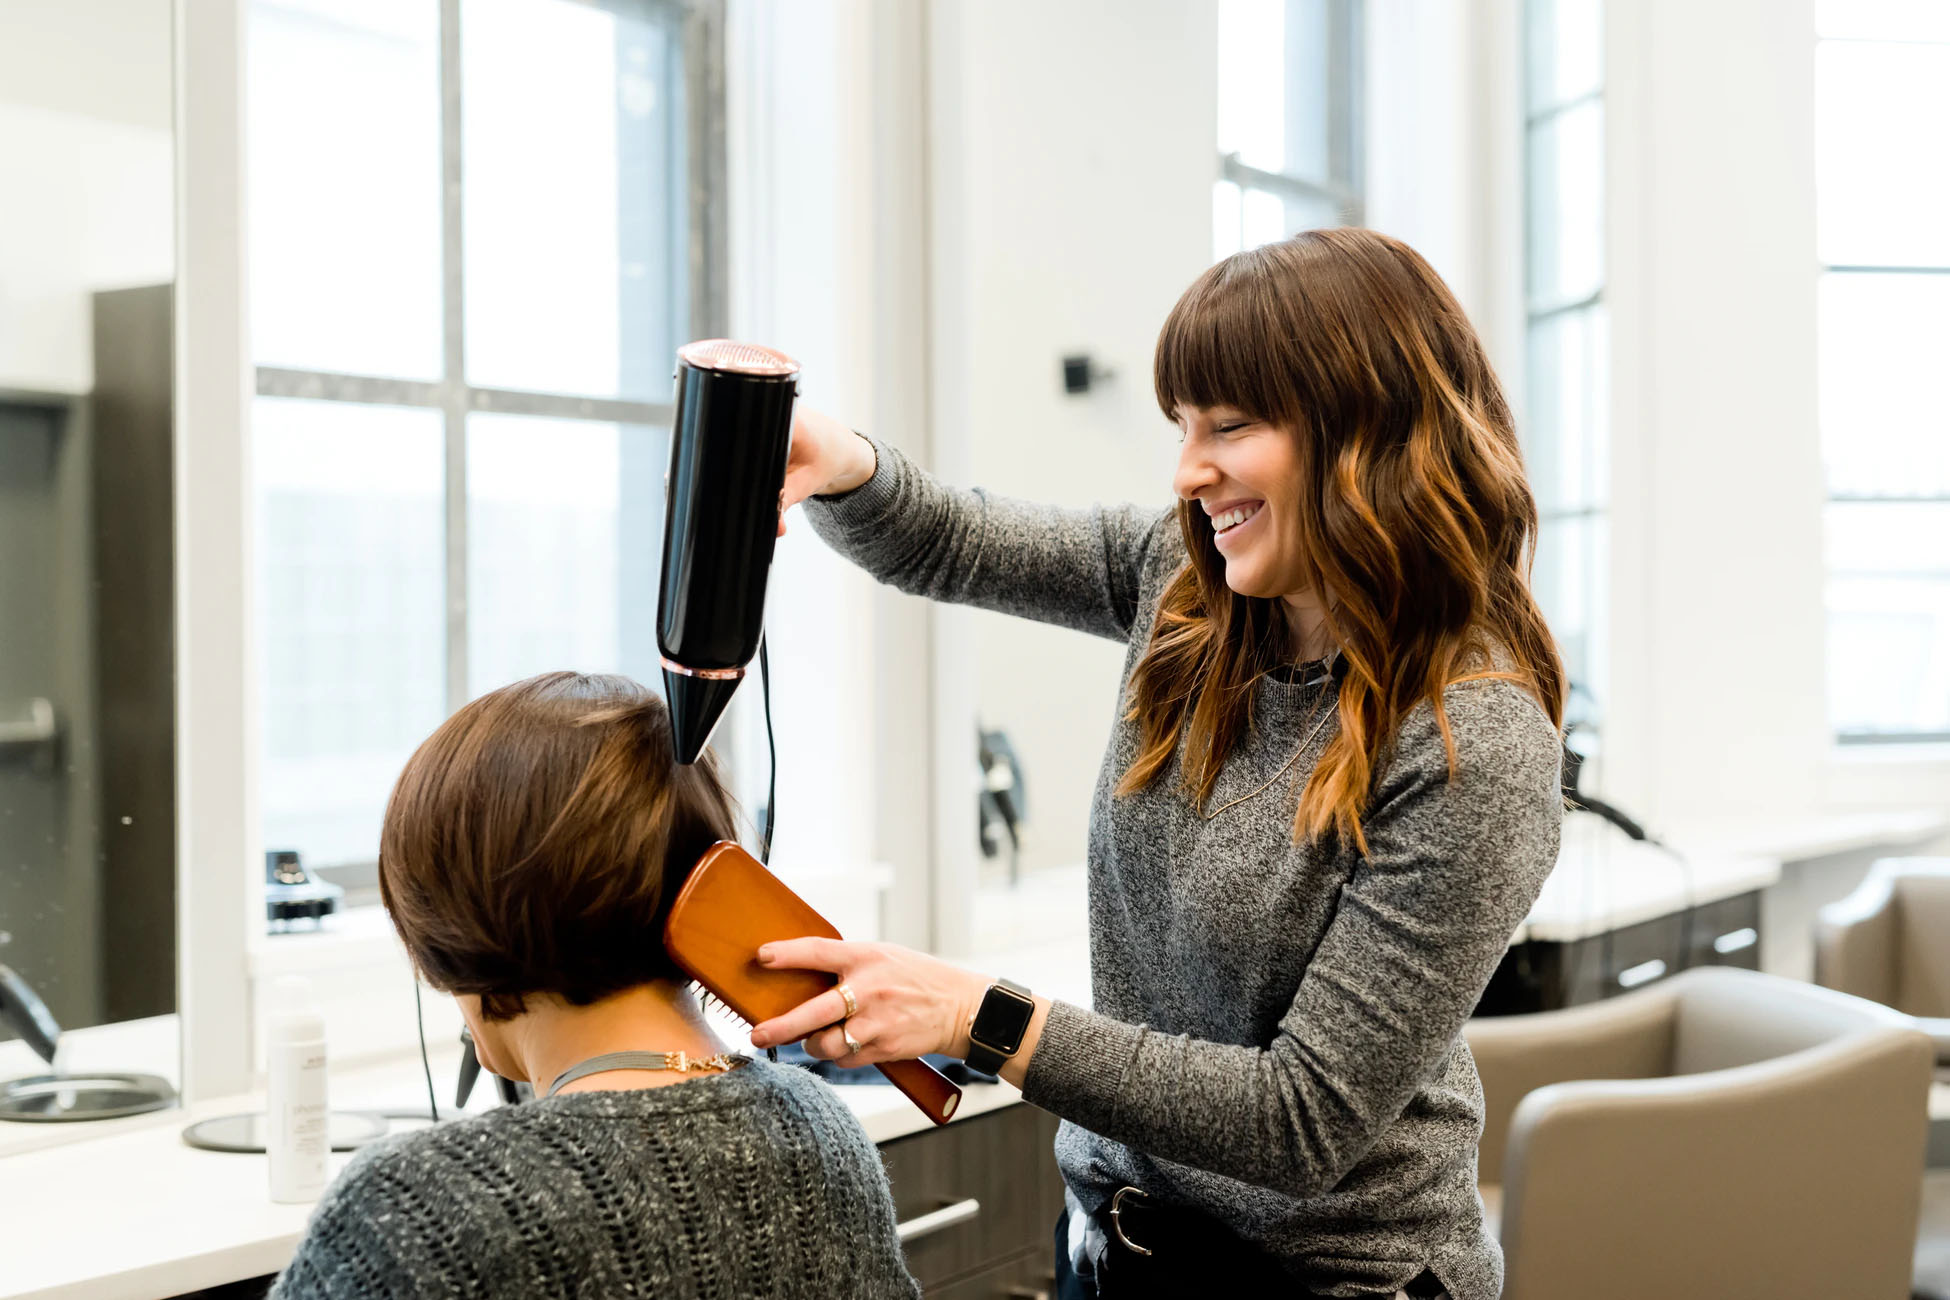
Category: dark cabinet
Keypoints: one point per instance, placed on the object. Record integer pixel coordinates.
(1540, 975)
(978, 1202)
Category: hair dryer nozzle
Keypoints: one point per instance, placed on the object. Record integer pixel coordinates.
(697, 700)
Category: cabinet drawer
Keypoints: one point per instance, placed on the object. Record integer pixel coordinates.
(1003, 1162)
(1604, 966)
(1727, 933)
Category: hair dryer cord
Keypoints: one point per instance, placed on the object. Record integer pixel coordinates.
(771, 750)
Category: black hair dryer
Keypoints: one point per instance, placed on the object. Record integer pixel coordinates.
(728, 448)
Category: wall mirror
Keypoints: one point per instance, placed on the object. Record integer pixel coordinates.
(87, 736)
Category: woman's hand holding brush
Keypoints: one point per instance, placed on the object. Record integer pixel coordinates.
(907, 1004)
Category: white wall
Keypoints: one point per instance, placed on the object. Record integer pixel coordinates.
(1430, 154)
(106, 59)
(796, 168)
(85, 152)
(1718, 484)
(1073, 151)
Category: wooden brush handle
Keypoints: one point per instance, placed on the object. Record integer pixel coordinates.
(730, 906)
(925, 1086)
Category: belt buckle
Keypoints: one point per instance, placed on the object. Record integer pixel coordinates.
(1117, 1215)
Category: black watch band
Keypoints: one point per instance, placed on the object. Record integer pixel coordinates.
(1000, 1024)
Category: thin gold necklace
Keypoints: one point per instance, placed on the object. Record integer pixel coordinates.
(1277, 775)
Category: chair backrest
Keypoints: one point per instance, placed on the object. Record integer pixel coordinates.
(1727, 1017)
(1785, 1179)
(1856, 938)
(1922, 888)
(1624, 1038)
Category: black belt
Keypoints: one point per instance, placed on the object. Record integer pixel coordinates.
(1153, 1245)
(1160, 1244)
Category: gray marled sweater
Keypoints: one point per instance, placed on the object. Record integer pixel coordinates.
(758, 1182)
(1277, 1034)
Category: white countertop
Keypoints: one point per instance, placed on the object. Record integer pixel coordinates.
(161, 1218)
(135, 1214)
(1605, 880)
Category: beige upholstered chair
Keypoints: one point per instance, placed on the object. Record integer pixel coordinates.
(1722, 1133)
(1889, 941)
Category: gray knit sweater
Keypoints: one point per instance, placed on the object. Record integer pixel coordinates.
(1277, 1034)
(758, 1182)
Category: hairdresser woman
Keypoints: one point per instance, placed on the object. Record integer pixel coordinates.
(1330, 791)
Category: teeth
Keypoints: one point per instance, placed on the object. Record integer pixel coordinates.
(1233, 518)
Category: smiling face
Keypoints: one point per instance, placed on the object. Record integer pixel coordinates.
(1244, 474)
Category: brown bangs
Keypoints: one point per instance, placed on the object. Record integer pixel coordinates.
(1227, 342)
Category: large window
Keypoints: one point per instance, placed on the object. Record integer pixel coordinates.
(1883, 232)
(1289, 120)
(479, 230)
(1566, 368)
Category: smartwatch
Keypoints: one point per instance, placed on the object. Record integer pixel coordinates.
(1000, 1023)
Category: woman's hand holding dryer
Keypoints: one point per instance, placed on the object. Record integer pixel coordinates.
(826, 458)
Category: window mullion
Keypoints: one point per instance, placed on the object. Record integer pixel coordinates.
(453, 385)
(324, 386)
(1346, 91)
(1285, 184)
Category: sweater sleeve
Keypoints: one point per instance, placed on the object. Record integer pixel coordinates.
(1079, 569)
(1453, 867)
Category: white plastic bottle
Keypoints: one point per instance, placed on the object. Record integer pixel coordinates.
(298, 1124)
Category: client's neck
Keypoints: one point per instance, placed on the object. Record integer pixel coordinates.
(553, 1035)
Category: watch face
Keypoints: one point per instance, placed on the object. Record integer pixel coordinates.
(1003, 1019)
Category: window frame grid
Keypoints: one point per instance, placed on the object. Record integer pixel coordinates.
(701, 24)
(1345, 185)
(1539, 313)
(1861, 738)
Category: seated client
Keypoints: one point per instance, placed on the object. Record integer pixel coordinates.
(529, 856)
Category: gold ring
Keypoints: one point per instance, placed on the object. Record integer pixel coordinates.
(852, 1043)
(852, 1006)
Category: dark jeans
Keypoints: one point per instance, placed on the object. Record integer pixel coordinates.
(1069, 1286)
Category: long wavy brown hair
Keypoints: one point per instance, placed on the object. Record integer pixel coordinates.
(1417, 524)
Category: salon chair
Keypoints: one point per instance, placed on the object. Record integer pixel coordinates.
(1722, 1133)
(1889, 942)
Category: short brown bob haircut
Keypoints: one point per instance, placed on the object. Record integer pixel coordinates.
(533, 844)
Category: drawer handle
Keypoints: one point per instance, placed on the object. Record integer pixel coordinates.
(1735, 940)
(1643, 973)
(926, 1225)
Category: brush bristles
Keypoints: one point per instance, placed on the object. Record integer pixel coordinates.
(711, 1003)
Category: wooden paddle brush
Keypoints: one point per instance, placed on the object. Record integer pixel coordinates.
(730, 905)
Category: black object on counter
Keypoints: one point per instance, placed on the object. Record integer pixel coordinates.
(728, 445)
(22, 1011)
(65, 1096)
(292, 893)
